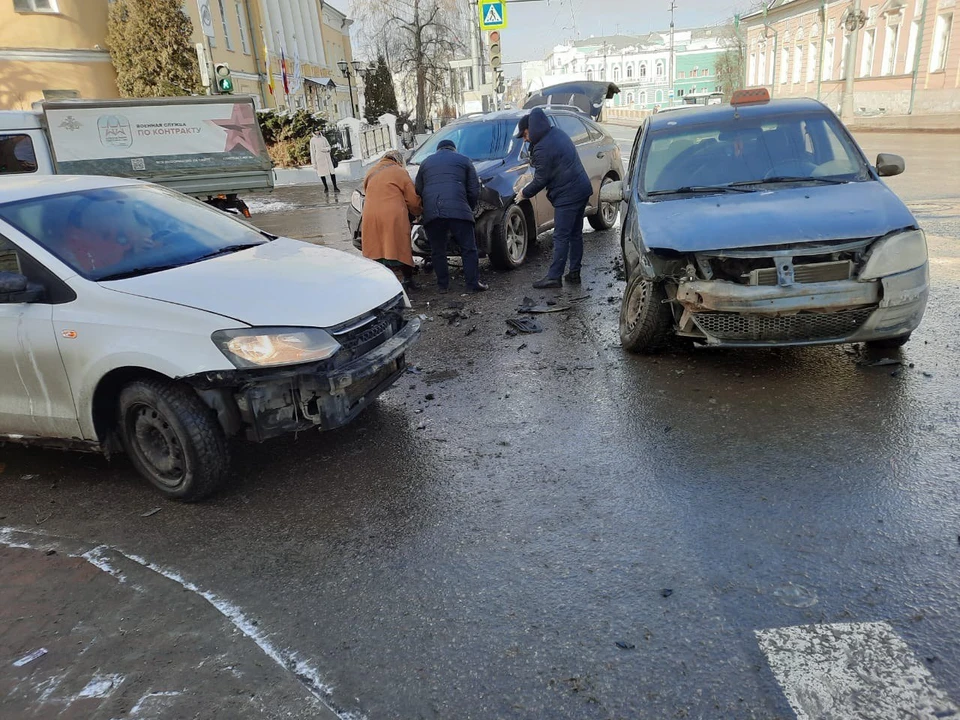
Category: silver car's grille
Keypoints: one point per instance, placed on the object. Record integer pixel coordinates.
(809, 273)
(762, 328)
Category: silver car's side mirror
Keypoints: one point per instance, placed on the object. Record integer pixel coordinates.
(612, 192)
(889, 165)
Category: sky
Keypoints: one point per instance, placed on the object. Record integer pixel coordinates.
(535, 27)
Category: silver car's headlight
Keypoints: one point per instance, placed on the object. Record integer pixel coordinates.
(267, 347)
(356, 200)
(896, 254)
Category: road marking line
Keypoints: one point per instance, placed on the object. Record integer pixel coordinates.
(852, 670)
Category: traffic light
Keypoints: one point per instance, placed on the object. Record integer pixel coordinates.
(495, 59)
(224, 81)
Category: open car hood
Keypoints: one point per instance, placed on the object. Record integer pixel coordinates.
(587, 96)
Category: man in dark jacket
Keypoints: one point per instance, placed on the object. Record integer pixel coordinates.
(448, 184)
(558, 169)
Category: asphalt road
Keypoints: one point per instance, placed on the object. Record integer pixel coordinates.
(547, 527)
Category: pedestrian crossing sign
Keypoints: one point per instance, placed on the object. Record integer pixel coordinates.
(493, 14)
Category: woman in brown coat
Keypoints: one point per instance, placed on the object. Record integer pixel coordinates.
(390, 201)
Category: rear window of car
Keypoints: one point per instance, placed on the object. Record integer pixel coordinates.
(479, 141)
(16, 154)
(743, 150)
(573, 127)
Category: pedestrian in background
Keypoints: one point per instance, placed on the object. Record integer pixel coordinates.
(322, 160)
(448, 184)
(557, 168)
(390, 200)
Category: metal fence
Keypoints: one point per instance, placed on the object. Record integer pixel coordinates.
(374, 140)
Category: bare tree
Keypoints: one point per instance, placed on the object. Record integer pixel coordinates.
(416, 37)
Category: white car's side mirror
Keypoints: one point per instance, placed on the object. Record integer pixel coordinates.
(612, 192)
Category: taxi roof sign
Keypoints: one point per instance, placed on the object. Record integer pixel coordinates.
(750, 96)
(493, 14)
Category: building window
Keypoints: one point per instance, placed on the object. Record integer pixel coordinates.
(828, 52)
(660, 68)
(659, 96)
(762, 67)
(226, 30)
(705, 72)
(911, 57)
(751, 73)
(630, 71)
(784, 66)
(241, 21)
(643, 70)
(941, 42)
(811, 62)
(797, 64)
(891, 41)
(589, 73)
(680, 92)
(35, 6)
(643, 98)
(616, 73)
(866, 60)
(629, 98)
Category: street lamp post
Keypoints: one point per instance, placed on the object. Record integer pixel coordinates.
(349, 75)
(853, 22)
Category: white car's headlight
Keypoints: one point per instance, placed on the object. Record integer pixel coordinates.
(356, 200)
(896, 254)
(266, 347)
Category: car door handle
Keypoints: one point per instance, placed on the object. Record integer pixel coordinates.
(601, 155)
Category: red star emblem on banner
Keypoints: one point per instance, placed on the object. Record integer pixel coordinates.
(241, 129)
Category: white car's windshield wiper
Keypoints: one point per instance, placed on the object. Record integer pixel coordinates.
(147, 269)
(138, 271)
(228, 250)
(790, 178)
(694, 189)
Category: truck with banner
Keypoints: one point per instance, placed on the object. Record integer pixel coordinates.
(207, 147)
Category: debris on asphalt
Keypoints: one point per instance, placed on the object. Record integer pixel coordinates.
(927, 374)
(429, 396)
(529, 305)
(625, 645)
(150, 513)
(525, 325)
(667, 429)
(414, 370)
(423, 318)
(882, 362)
(470, 332)
(26, 659)
(29, 477)
(522, 347)
(50, 552)
(511, 333)
(666, 592)
(454, 316)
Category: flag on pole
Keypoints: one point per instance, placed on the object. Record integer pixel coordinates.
(266, 60)
(283, 72)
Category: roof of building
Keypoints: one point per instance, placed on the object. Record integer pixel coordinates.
(708, 114)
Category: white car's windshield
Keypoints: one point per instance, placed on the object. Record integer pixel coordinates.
(111, 233)
(479, 141)
(750, 151)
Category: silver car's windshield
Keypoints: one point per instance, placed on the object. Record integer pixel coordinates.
(748, 151)
(111, 233)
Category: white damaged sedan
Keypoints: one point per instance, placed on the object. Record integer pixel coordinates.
(135, 319)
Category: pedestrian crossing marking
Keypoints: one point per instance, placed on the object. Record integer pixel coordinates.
(852, 670)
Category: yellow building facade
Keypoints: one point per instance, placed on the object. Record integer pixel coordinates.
(52, 49)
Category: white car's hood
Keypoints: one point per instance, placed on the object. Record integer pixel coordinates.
(281, 283)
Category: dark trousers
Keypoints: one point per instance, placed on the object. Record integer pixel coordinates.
(567, 239)
(326, 188)
(462, 232)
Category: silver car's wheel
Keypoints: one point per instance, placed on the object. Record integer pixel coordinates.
(512, 240)
(606, 217)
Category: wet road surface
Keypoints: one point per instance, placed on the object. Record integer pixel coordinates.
(546, 527)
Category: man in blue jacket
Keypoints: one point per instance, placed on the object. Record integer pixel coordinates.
(557, 168)
(448, 184)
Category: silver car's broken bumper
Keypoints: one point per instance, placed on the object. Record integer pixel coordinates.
(726, 313)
